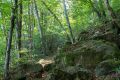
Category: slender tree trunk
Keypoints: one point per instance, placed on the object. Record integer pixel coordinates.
(31, 25)
(40, 28)
(99, 8)
(68, 22)
(54, 15)
(7, 57)
(19, 27)
(113, 16)
(103, 13)
(94, 8)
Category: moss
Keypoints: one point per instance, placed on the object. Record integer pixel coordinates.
(107, 67)
(88, 53)
(70, 73)
(24, 69)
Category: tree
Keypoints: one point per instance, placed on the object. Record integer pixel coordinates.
(68, 22)
(54, 15)
(31, 25)
(40, 28)
(19, 27)
(98, 8)
(7, 57)
(95, 9)
(113, 17)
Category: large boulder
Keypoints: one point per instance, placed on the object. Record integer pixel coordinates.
(25, 71)
(70, 73)
(110, 36)
(94, 31)
(103, 32)
(108, 67)
(87, 53)
(49, 67)
(108, 70)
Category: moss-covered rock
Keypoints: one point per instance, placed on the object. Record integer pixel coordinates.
(49, 67)
(94, 31)
(108, 67)
(70, 73)
(111, 37)
(103, 32)
(26, 70)
(87, 53)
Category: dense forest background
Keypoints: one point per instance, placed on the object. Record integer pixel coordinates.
(69, 34)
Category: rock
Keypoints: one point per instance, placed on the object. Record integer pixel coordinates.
(92, 32)
(107, 67)
(70, 73)
(27, 70)
(84, 35)
(87, 53)
(22, 78)
(49, 67)
(103, 32)
(111, 37)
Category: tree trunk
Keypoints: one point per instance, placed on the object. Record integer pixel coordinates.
(113, 16)
(68, 22)
(30, 25)
(103, 13)
(54, 15)
(94, 8)
(19, 27)
(40, 28)
(56, 18)
(7, 57)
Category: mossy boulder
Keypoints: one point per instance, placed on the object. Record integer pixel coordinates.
(93, 31)
(102, 32)
(108, 67)
(87, 53)
(34, 67)
(111, 37)
(70, 73)
(49, 67)
(26, 70)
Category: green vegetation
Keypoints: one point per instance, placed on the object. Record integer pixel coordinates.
(59, 39)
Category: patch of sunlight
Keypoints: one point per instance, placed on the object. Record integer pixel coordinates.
(24, 51)
(72, 21)
(44, 62)
(35, 29)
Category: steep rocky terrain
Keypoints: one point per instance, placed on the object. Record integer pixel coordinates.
(95, 56)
